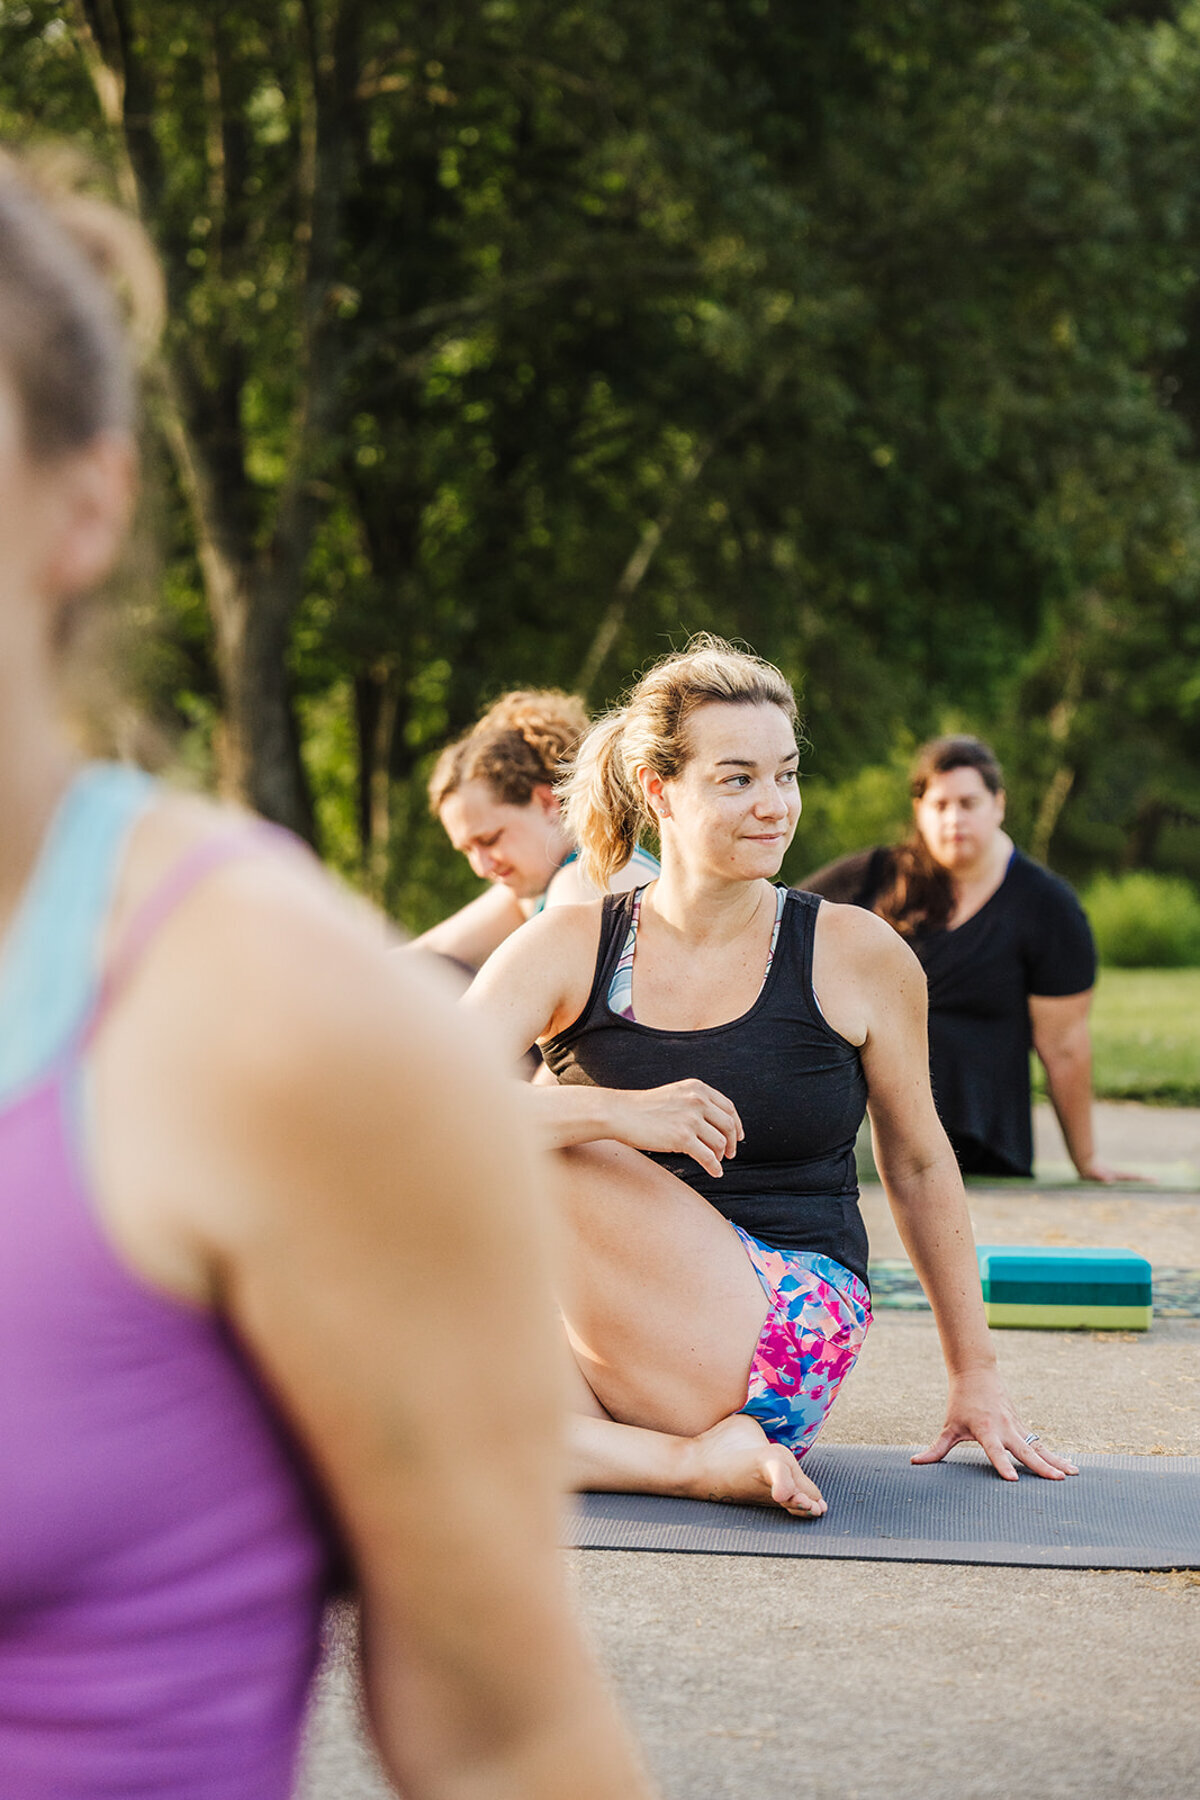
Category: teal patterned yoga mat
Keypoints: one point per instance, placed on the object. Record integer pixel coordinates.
(894, 1286)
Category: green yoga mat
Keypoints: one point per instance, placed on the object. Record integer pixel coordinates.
(1119, 1512)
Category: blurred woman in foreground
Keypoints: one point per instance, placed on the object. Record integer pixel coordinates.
(493, 790)
(716, 1039)
(261, 1203)
(1008, 955)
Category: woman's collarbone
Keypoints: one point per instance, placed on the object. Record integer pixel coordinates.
(681, 998)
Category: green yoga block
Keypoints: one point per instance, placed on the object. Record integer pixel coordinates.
(1037, 1287)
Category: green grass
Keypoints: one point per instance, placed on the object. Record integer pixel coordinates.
(1146, 1036)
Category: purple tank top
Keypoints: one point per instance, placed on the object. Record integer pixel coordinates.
(161, 1567)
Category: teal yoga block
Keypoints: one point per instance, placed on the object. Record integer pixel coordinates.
(1039, 1286)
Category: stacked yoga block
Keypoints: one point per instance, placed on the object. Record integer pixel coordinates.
(1064, 1290)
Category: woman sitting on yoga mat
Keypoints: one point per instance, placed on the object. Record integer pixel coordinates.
(1007, 953)
(261, 1199)
(493, 791)
(716, 1038)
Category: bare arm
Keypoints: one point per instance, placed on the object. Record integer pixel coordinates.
(536, 985)
(886, 1009)
(372, 1215)
(915, 1160)
(570, 886)
(1064, 1045)
(472, 933)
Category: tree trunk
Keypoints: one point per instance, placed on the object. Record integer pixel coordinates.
(377, 713)
(653, 533)
(251, 605)
(253, 579)
(1049, 812)
(1144, 833)
(1062, 717)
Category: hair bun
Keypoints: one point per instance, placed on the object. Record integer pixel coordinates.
(520, 743)
(549, 720)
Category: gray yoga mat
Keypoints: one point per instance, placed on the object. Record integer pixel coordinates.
(1119, 1512)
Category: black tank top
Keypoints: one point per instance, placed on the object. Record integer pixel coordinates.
(798, 1087)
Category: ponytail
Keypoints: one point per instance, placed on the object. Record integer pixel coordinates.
(602, 802)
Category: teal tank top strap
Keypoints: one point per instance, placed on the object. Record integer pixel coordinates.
(49, 968)
(568, 859)
(641, 860)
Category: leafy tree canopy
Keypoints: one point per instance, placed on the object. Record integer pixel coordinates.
(511, 342)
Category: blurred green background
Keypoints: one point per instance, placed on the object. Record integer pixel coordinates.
(508, 343)
(1146, 1036)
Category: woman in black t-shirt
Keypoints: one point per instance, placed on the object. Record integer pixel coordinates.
(1007, 953)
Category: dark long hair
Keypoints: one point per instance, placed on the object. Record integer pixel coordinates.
(918, 894)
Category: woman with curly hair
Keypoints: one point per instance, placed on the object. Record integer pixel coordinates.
(494, 792)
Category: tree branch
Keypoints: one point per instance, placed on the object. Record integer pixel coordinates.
(653, 533)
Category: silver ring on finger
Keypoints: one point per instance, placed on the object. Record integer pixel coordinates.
(1033, 1437)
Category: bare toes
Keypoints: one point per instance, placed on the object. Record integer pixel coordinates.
(792, 1489)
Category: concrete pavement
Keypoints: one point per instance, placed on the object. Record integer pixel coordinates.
(747, 1677)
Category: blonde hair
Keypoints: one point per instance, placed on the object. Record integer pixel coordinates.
(605, 809)
(520, 743)
(80, 296)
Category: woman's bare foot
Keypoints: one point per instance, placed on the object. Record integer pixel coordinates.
(735, 1460)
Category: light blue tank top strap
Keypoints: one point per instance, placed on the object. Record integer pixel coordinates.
(641, 861)
(645, 865)
(568, 859)
(49, 968)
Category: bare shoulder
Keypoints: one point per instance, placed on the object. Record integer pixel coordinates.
(270, 1065)
(537, 983)
(178, 825)
(559, 936)
(307, 960)
(854, 932)
(572, 922)
(285, 978)
(569, 886)
(863, 971)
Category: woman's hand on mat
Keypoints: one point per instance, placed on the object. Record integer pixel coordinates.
(979, 1409)
(686, 1118)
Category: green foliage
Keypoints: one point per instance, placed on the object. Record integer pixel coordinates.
(869, 807)
(331, 757)
(1145, 921)
(867, 333)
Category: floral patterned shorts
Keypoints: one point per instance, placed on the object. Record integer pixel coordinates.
(810, 1340)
